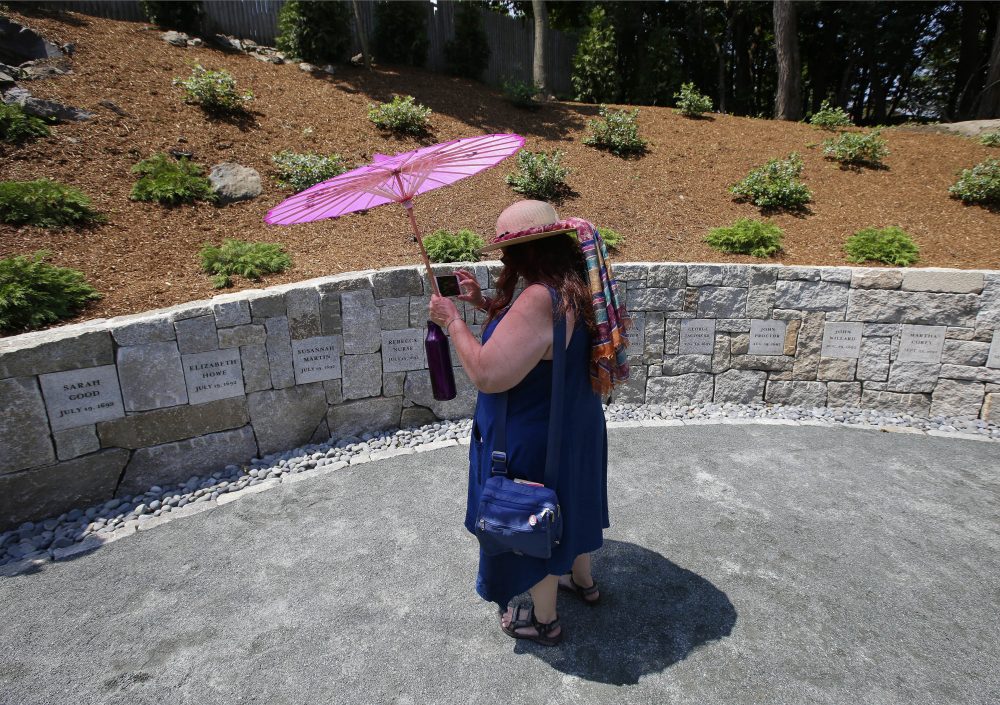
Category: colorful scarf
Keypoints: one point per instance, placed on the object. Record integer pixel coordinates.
(608, 359)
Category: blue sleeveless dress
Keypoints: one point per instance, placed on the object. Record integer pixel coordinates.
(583, 471)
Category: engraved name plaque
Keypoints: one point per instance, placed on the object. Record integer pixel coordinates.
(212, 375)
(767, 337)
(921, 344)
(82, 397)
(317, 359)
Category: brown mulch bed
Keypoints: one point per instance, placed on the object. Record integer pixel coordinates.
(664, 203)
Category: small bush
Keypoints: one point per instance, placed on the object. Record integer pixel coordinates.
(402, 115)
(775, 185)
(853, 148)
(184, 16)
(400, 35)
(16, 126)
(521, 94)
(539, 175)
(617, 132)
(690, 102)
(319, 32)
(168, 181)
(891, 245)
(468, 54)
(829, 118)
(990, 139)
(611, 238)
(747, 237)
(45, 203)
(250, 260)
(980, 184)
(445, 246)
(300, 171)
(214, 91)
(34, 293)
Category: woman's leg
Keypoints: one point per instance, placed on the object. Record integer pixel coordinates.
(581, 575)
(543, 596)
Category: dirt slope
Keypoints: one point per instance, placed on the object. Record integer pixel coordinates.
(664, 203)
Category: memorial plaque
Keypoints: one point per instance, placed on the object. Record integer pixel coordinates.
(317, 359)
(921, 344)
(636, 334)
(82, 397)
(767, 337)
(842, 340)
(212, 375)
(994, 359)
(403, 350)
(697, 336)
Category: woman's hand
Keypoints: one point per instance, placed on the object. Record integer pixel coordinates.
(442, 310)
(469, 286)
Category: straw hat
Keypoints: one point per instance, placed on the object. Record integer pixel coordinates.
(520, 222)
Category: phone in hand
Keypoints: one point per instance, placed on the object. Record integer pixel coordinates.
(448, 284)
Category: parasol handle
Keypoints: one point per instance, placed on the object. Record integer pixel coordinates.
(408, 205)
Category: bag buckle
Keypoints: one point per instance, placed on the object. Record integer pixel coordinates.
(499, 462)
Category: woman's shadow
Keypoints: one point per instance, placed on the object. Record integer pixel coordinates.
(652, 614)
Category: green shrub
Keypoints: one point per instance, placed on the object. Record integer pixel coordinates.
(617, 132)
(402, 115)
(855, 148)
(539, 175)
(468, 54)
(34, 293)
(690, 102)
(214, 91)
(611, 238)
(830, 118)
(775, 185)
(990, 139)
(747, 237)
(319, 32)
(184, 16)
(16, 126)
(980, 184)
(300, 171)
(891, 245)
(445, 246)
(45, 203)
(170, 181)
(400, 35)
(250, 260)
(521, 94)
(595, 75)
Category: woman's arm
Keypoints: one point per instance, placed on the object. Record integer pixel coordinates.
(519, 341)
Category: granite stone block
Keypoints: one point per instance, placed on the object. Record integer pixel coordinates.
(722, 302)
(141, 329)
(683, 389)
(805, 394)
(303, 312)
(362, 376)
(362, 333)
(24, 426)
(74, 442)
(354, 417)
(740, 387)
(811, 295)
(151, 376)
(154, 428)
(286, 418)
(55, 350)
(943, 280)
(238, 336)
(915, 307)
(195, 335)
(954, 398)
(256, 371)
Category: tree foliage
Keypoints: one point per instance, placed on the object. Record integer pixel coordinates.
(319, 32)
(468, 54)
(401, 32)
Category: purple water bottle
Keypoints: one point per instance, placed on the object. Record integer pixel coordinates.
(439, 363)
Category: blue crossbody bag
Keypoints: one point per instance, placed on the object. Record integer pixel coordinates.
(515, 515)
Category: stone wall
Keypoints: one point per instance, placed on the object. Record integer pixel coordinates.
(111, 407)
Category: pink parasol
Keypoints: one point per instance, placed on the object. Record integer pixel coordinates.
(397, 179)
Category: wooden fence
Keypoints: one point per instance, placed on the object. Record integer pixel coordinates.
(511, 41)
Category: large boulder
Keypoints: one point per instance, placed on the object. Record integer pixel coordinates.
(235, 182)
(44, 108)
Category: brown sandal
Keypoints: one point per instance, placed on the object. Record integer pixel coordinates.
(519, 622)
(583, 593)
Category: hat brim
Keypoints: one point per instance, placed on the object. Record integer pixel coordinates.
(524, 238)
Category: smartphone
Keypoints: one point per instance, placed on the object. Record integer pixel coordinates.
(448, 284)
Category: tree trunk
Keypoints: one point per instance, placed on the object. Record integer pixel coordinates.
(362, 35)
(787, 101)
(989, 104)
(538, 75)
(742, 78)
(969, 55)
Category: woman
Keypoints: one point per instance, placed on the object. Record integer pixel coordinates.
(564, 269)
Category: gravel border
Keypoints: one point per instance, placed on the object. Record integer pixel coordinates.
(82, 530)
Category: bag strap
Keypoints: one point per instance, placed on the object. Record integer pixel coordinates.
(554, 447)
